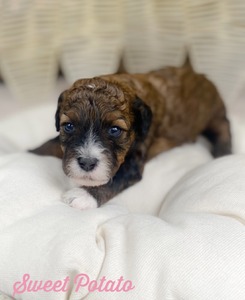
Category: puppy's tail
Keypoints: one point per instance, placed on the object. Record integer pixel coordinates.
(187, 62)
(121, 67)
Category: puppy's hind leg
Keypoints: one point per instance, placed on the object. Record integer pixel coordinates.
(50, 148)
(218, 133)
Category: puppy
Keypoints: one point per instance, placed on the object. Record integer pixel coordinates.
(111, 125)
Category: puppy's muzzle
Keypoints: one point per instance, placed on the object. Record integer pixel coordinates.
(87, 164)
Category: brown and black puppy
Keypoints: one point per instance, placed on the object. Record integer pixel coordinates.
(111, 125)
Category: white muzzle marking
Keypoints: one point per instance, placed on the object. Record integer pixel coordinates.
(100, 174)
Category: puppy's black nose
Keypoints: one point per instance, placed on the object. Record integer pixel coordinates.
(87, 164)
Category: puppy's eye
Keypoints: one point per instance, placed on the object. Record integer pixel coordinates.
(68, 127)
(115, 131)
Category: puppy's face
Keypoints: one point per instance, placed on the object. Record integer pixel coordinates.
(99, 122)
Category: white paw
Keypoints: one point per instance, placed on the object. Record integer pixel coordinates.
(79, 198)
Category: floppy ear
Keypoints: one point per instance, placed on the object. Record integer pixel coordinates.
(142, 118)
(57, 114)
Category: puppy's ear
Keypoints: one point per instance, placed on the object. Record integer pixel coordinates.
(142, 118)
(57, 114)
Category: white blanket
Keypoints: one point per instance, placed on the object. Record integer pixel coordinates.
(178, 234)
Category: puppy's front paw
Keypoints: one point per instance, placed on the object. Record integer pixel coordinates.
(79, 198)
